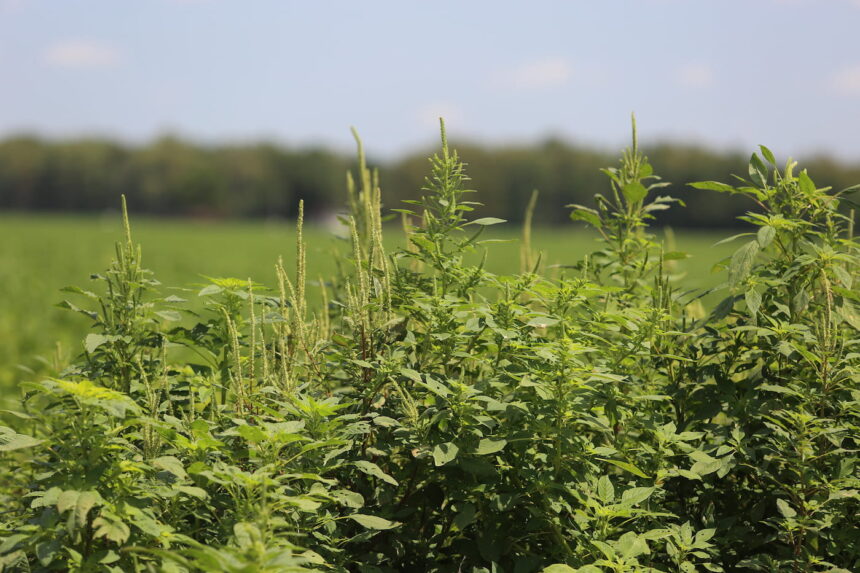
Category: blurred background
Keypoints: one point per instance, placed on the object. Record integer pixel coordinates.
(215, 117)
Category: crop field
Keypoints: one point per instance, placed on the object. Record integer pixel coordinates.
(39, 255)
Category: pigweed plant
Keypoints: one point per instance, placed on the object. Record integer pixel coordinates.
(430, 416)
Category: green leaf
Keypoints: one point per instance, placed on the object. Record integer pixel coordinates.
(625, 466)
(304, 503)
(785, 509)
(411, 374)
(605, 489)
(560, 568)
(765, 236)
(171, 465)
(704, 464)
(713, 186)
(491, 446)
(193, 491)
(444, 453)
(348, 498)
(374, 470)
(93, 341)
(757, 171)
(372, 521)
(590, 216)
(252, 433)
(487, 221)
(87, 392)
(807, 187)
(542, 321)
(767, 154)
(675, 256)
(81, 502)
(340, 339)
(634, 191)
(636, 495)
(11, 440)
(466, 516)
(436, 387)
(742, 262)
(753, 300)
(209, 290)
(631, 545)
(171, 315)
(46, 551)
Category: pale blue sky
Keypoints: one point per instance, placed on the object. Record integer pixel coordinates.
(729, 73)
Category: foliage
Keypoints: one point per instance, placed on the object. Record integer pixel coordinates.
(432, 416)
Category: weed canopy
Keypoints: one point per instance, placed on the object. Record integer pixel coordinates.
(430, 416)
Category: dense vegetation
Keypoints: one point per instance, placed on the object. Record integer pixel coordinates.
(37, 260)
(432, 416)
(173, 177)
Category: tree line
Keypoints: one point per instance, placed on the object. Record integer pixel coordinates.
(172, 177)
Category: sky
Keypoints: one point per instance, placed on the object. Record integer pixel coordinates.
(724, 73)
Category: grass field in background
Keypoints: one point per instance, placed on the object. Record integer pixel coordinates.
(41, 254)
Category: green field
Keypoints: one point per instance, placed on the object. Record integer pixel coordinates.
(41, 254)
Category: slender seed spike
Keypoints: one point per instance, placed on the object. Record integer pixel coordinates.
(125, 223)
(325, 320)
(253, 332)
(444, 138)
(351, 192)
(635, 135)
(361, 159)
(300, 262)
(526, 254)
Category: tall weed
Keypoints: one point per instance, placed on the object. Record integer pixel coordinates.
(431, 416)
